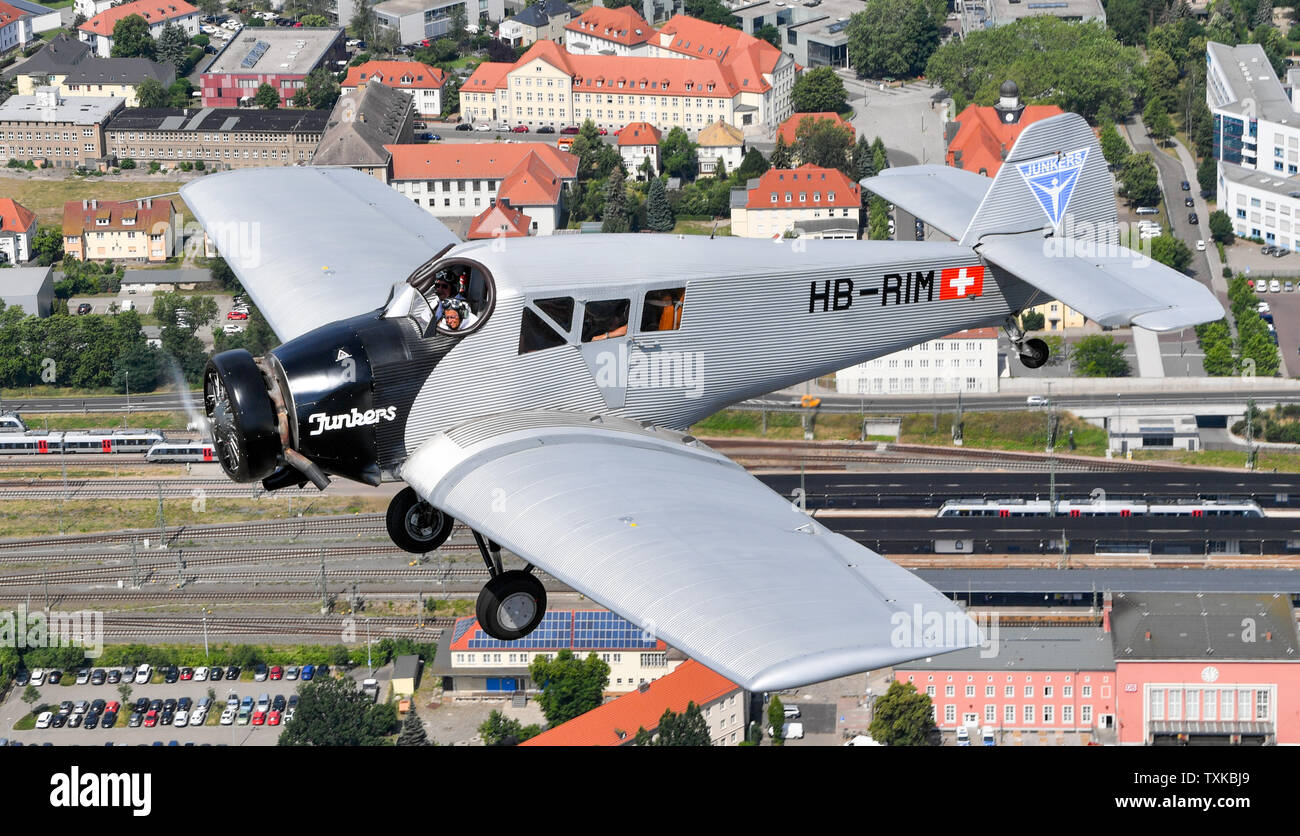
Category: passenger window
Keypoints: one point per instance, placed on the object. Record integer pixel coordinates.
(460, 294)
(605, 319)
(559, 309)
(535, 335)
(663, 309)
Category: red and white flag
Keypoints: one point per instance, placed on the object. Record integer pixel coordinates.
(960, 282)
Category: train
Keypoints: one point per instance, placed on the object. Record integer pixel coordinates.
(78, 442)
(182, 451)
(10, 422)
(1100, 508)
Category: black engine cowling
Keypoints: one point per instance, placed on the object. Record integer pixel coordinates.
(245, 431)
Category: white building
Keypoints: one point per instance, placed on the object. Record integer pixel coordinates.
(815, 202)
(421, 82)
(966, 361)
(17, 229)
(638, 142)
(601, 31)
(720, 142)
(15, 28)
(98, 30)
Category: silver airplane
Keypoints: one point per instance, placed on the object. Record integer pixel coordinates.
(538, 389)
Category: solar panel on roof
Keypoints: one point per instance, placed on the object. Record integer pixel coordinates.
(462, 627)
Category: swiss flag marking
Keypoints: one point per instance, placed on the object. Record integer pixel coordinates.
(960, 282)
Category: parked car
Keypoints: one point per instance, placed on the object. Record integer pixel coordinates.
(273, 718)
(232, 701)
(259, 718)
(791, 712)
(232, 672)
(308, 671)
(464, 126)
(55, 677)
(23, 677)
(80, 707)
(142, 675)
(291, 672)
(278, 704)
(260, 673)
(1036, 400)
(520, 129)
(187, 674)
(277, 672)
(200, 674)
(546, 129)
(1200, 245)
(151, 719)
(236, 315)
(58, 721)
(963, 736)
(83, 308)
(99, 676)
(172, 675)
(604, 132)
(38, 677)
(1185, 186)
(91, 721)
(1188, 202)
(83, 676)
(109, 720)
(135, 720)
(1192, 219)
(1275, 286)
(1288, 287)
(216, 674)
(228, 717)
(182, 719)
(114, 676)
(43, 719)
(483, 128)
(1267, 249)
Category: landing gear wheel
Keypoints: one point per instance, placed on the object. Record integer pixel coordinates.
(416, 526)
(511, 605)
(1034, 353)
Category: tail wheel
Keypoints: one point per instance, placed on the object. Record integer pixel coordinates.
(1034, 353)
(416, 526)
(511, 605)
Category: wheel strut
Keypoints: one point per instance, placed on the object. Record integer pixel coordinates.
(491, 553)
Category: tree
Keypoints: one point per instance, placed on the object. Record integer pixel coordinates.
(776, 720)
(659, 214)
(500, 730)
(173, 46)
(319, 90)
(413, 733)
(861, 160)
(314, 20)
(892, 39)
(210, 8)
(364, 23)
(879, 156)
(151, 93)
(615, 216)
(686, 729)
(824, 143)
(131, 39)
(679, 155)
(1113, 146)
(1099, 355)
(570, 686)
(877, 218)
(782, 155)
(30, 694)
(1221, 227)
(180, 93)
(266, 96)
(1207, 174)
(457, 29)
(1139, 184)
(1157, 120)
(768, 32)
(78, 19)
(753, 165)
(1171, 252)
(47, 246)
(902, 717)
(450, 95)
(819, 91)
(1032, 321)
(1162, 80)
(711, 10)
(333, 712)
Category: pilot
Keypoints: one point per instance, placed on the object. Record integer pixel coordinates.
(442, 289)
(457, 316)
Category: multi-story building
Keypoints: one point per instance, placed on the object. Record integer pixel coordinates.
(28, 288)
(463, 180)
(638, 142)
(64, 132)
(616, 723)
(966, 361)
(789, 200)
(43, 18)
(419, 81)
(1057, 316)
(17, 229)
(130, 230)
(280, 57)
(416, 21)
(115, 77)
(15, 28)
(548, 86)
(720, 143)
(49, 66)
(219, 138)
(364, 121)
(543, 20)
(98, 30)
(473, 664)
(90, 8)
(601, 31)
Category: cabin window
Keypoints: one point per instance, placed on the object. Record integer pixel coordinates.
(663, 309)
(535, 334)
(559, 309)
(605, 319)
(459, 292)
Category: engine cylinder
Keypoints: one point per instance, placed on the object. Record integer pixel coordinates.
(245, 431)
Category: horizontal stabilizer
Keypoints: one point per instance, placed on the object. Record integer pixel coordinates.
(1118, 288)
(945, 198)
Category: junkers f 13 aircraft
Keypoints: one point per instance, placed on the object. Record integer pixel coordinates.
(512, 385)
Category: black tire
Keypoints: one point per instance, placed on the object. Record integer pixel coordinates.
(1035, 354)
(511, 605)
(416, 526)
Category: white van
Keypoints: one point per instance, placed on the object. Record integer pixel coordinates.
(128, 304)
(963, 736)
(986, 736)
(1146, 210)
(1036, 400)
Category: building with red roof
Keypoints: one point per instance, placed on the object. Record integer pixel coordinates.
(817, 202)
(134, 230)
(17, 229)
(744, 82)
(616, 723)
(983, 136)
(789, 129)
(98, 31)
(421, 82)
(15, 27)
(463, 179)
(637, 143)
(601, 31)
(500, 220)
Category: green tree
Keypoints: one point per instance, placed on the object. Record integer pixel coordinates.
(782, 154)
(30, 694)
(319, 90)
(1162, 80)
(151, 93)
(686, 729)
(1139, 184)
(210, 8)
(679, 155)
(879, 156)
(1113, 146)
(1207, 174)
(892, 39)
(570, 686)
(179, 94)
(824, 143)
(659, 214)
(753, 165)
(131, 39)
(820, 90)
(1032, 321)
(457, 30)
(768, 32)
(500, 730)
(862, 160)
(266, 96)
(223, 275)
(1221, 227)
(413, 733)
(902, 717)
(47, 245)
(173, 46)
(1157, 120)
(1099, 355)
(776, 720)
(314, 20)
(333, 712)
(615, 217)
(1171, 252)
(711, 10)
(877, 219)
(450, 95)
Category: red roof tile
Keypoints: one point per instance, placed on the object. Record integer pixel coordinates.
(487, 76)
(14, 217)
(616, 722)
(78, 219)
(153, 11)
(404, 75)
(531, 173)
(530, 183)
(8, 14)
(618, 25)
(639, 133)
(981, 135)
(789, 129)
(782, 188)
(499, 221)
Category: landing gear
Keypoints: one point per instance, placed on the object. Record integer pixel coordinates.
(512, 603)
(1033, 353)
(416, 526)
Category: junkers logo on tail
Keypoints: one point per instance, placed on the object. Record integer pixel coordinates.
(356, 418)
(1052, 180)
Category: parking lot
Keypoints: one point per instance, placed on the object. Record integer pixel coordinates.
(14, 709)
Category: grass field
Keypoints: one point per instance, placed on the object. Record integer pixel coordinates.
(46, 197)
(104, 421)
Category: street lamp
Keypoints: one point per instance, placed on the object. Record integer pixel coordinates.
(369, 663)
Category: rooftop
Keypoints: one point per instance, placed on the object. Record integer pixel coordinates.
(407, 75)
(577, 630)
(623, 25)
(1168, 626)
(115, 215)
(639, 133)
(376, 116)
(287, 51)
(48, 106)
(1241, 79)
(120, 71)
(616, 722)
(60, 55)
(220, 119)
(720, 134)
(805, 187)
(500, 220)
(153, 11)
(789, 129)
(481, 160)
(406, 667)
(1266, 180)
(8, 13)
(1028, 649)
(15, 217)
(1004, 12)
(398, 8)
(981, 135)
(541, 12)
(23, 281)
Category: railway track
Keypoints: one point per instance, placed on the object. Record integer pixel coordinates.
(291, 528)
(129, 626)
(193, 572)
